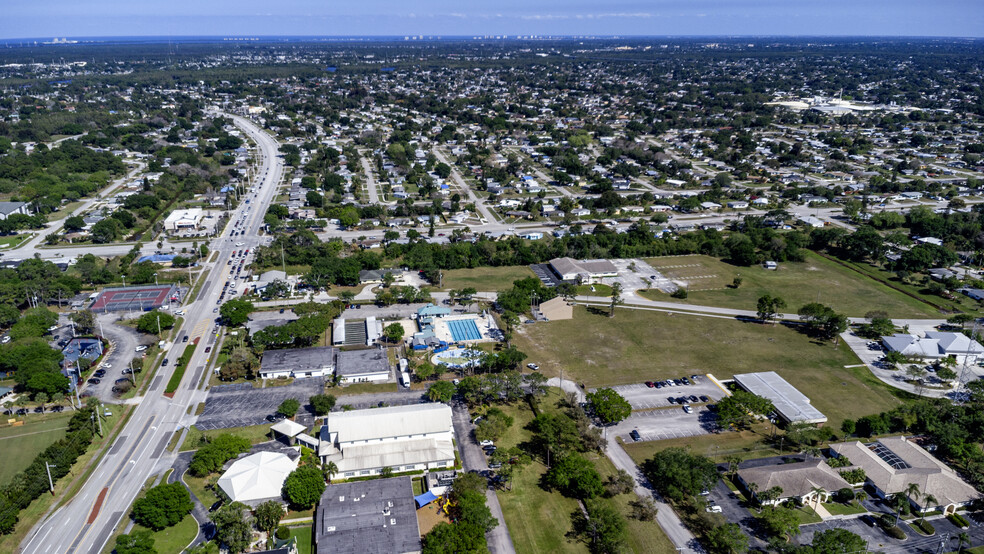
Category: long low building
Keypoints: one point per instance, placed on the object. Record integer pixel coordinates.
(402, 438)
(791, 405)
(318, 361)
(582, 271)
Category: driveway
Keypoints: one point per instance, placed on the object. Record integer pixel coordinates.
(734, 509)
(123, 342)
(667, 423)
(473, 459)
(895, 377)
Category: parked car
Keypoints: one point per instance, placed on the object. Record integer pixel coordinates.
(94, 381)
(635, 435)
(688, 409)
(693, 398)
(486, 443)
(672, 399)
(704, 398)
(686, 381)
(713, 509)
(650, 384)
(141, 348)
(534, 367)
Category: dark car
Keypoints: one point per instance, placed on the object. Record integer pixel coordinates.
(650, 384)
(635, 435)
(659, 384)
(164, 363)
(122, 380)
(57, 408)
(685, 380)
(704, 398)
(208, 349)
(94, 381)
(99, 373)
(185, 339)
(273, 418)
(868, 520)
(672, 400)
(693, 398)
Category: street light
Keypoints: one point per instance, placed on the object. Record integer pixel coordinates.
(124, 280)
(155, 280)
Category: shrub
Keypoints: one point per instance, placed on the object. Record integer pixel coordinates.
(958, 520)
(925, 527)
(854, 475)
(162, 506)
(210, 457)
(283, 532)
(679, 293)
(844, 495)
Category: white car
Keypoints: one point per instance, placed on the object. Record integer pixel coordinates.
(141, 348)
(713, 509)
(240, 243)
(486, 443)
(534, 367)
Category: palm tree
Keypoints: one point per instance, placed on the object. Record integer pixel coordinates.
(817, 492)
(929, 500)
(861, 496)
(963, 540)
(912, 491)
(329, 469)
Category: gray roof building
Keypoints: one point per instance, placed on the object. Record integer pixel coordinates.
(353, 365)
(368, 517)
(792, 405)
(298, 362)
(10, 208)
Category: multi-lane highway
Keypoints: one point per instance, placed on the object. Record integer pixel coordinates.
(87, 522)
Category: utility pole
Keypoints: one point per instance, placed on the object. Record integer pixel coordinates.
(158, 325)
(51, 484)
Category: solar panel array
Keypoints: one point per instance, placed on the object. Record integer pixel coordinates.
(890, 458)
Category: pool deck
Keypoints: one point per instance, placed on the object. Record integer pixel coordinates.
(486, 327)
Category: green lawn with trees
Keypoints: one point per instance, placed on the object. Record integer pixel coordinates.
(797, 283)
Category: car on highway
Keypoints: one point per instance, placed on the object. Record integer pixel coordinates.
(208, 349)
(164, 363)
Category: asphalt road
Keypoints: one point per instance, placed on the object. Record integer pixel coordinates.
(473, 459)
(84, 526)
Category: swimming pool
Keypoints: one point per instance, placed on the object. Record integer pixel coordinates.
(464, 329)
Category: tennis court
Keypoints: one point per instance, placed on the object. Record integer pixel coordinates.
(133, 298)
(464, 329)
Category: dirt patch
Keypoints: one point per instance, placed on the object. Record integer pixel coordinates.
(428, 517)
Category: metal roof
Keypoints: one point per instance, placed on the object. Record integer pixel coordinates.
(368, 517)
(789, 402)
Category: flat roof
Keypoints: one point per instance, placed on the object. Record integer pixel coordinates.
(377, 516)
(295, 359)
(361, 362)
(789, 402)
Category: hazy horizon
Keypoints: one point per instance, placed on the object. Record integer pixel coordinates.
(26, 19)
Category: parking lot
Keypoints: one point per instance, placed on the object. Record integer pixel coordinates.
(668, 423)
(635, 274)
(642, 397)
(241, 405)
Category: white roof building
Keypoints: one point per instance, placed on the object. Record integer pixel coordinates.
(184, 219)
(403, 438)
(935, 345)
(790, 403)
(257, 477)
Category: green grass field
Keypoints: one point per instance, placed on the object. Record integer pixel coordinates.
(539, 520)
(797, 283)
(19, 445)
(173, 540)
(304, 538)
(748, 444)
(256, 434)
(838, 509)
(485, 278)
(642, 345)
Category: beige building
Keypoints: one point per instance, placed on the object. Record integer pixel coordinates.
(797, 480)
(893, 463)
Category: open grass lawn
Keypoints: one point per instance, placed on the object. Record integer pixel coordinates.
(539, 520)
(747, 444)
(806, 515)
(173, 540)
(797, 283)
(65, 210)
(641, 345)
(200, 487)
(361, 388)
(838, 509)
(599, 290)
(19, 445)
(913, 285)
(486, 278)
(304, 538)
(65, 488)
(13, 241)
(256, 434)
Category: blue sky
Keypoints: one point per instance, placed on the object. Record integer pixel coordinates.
(79, 18)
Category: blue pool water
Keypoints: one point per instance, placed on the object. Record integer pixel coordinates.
(464, 329)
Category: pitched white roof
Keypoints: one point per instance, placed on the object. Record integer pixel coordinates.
(288, 427)
(257, 477)
(393, 454)
(394, 421)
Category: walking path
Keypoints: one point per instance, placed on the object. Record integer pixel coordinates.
(679, 535)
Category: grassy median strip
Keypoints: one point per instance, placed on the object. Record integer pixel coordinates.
(179, 369)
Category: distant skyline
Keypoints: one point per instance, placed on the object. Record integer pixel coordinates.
(92, 18)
